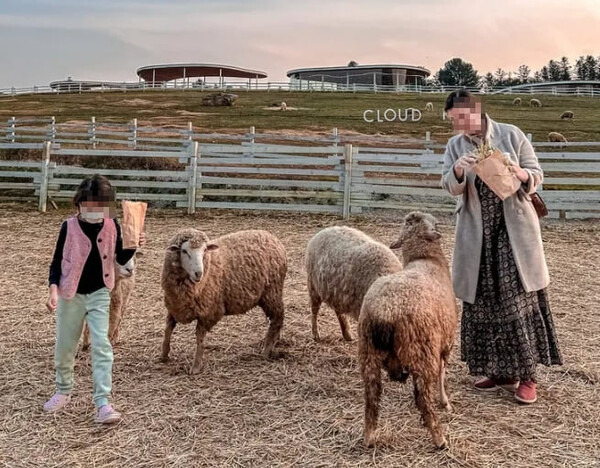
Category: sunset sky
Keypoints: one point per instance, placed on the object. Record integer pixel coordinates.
(45, 40)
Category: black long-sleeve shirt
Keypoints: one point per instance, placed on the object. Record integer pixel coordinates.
(91, 277)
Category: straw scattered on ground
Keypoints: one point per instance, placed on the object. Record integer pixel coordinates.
(304, 409)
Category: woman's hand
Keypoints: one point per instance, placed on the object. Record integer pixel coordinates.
(142, 239)
(519, 172)
(52, 298)
(462, 164)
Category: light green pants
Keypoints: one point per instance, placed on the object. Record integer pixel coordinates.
(70, 316)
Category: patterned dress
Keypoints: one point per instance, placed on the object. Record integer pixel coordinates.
(506, 332)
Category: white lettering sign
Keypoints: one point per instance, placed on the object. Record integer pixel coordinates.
(392, 115)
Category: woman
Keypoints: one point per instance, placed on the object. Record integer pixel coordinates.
(499, 269)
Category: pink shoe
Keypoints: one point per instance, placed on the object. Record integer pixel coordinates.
(526, 393)
(57, 402)
(107, 415)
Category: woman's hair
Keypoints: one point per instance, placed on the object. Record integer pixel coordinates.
(462, 97)
(95, 188)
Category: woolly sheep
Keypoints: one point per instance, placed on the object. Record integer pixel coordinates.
(557, 137)
(567, 115)
(204, 280)
(407, 325)
(517, 101)
(119, 297)
(535, 103)
(341, 265)
(429, 107)
(283, 106)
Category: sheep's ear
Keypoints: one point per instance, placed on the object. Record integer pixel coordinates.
(210, 247)
(173, 248)
(396, 244)
(139, 253)
(432, 235)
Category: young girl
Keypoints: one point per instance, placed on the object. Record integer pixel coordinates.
(81, 277)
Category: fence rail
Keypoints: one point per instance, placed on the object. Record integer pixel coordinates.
(344, 179)
(558, 89)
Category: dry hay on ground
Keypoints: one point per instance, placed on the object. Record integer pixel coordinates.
(304, 409)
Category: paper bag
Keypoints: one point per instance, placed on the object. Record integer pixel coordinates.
(497, 175)
(134, 214)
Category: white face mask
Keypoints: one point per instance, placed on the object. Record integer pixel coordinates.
(92, 216)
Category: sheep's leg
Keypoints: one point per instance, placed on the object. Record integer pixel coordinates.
(424, 396)
(315, 305)
(274, 310)
(86, 337)
(444, 402)
(166, 346)
(343, 319)
(114, 321)
(370, 367)
(200, 334)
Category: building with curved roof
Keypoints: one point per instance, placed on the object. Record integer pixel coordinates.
(379, 75)
(185, 71)
(70, 85)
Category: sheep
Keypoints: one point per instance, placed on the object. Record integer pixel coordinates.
(429, 107)
(557, 137)
(567, 115)
(407, 325)
(516, 101)
(283, 106)
(535, 103)
(204, 280)
(119, 297)
(341, 264)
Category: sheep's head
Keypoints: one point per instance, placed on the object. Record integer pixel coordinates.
(418, 232)
(127, 270)
(190, 247)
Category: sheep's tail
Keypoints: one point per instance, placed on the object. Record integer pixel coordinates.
(381, 333)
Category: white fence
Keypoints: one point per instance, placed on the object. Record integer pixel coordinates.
(296, 85)
(331, 179)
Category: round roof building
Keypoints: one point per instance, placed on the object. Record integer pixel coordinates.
(185, 71)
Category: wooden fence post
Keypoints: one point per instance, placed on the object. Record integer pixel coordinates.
(251, 137)
(44, 175)
(190, 135)
(335, 137)
(192, 179)
(348, 161)
(93, 132)
(13, 129)
(134, 133)
(52, 129)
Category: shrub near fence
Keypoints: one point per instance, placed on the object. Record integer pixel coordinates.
(333, 179)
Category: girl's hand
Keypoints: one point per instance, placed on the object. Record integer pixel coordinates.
(519, 173)
(52, 298)
(142, 240)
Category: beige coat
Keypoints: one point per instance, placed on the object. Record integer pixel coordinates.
(521, 219)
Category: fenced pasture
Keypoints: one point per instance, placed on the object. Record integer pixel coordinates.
(304, 409)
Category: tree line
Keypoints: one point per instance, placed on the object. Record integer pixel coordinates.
(457, 72)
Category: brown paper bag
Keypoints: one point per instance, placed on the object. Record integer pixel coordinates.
(134, 214)
(497, 175)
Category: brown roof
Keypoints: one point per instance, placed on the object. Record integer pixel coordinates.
(169, 72)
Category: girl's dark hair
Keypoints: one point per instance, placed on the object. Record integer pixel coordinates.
(94, 188)
(461, 96)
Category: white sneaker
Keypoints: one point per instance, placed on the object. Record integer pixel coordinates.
(57, 402)
(107, 415)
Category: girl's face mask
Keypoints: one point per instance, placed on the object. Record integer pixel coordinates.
(91, 213)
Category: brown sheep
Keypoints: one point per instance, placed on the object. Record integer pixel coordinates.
(407, 326)
(517, 101)
(341, 264)
(119, 297)
(567, 115)
(556, 137)
(535, 103)
(205, 280)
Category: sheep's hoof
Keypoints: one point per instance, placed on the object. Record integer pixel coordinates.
(441, 444)
(163, 358)
(196, 369)
(271, 354)
(447, 407)
(370, 440)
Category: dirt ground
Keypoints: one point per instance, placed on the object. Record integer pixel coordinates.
(304, 409)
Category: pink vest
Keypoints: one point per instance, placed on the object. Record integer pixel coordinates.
(76, 250)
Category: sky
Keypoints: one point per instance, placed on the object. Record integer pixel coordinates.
(46, 40)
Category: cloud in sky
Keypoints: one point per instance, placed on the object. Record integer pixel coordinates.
(109, 39)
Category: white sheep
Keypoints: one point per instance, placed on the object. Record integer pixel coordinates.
(204, 280)
(570, 115)
(535, 103)
(341, 265)
(407, 325)
(516, 101)
(556, 137)
(429, 107)
(119, 297)
(283, 106)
